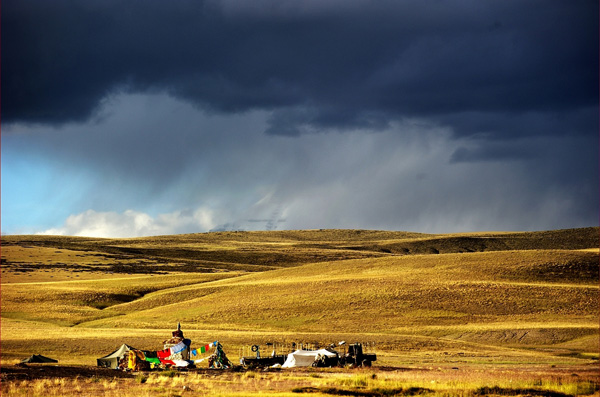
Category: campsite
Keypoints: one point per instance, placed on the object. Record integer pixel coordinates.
(457, 314)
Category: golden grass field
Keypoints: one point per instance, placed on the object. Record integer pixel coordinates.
(476, 313)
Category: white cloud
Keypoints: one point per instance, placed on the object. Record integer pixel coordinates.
(133, 223)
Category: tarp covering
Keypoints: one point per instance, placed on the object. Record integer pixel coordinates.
(219, 359)
(305, 358)
(38, 358)
(112, 360)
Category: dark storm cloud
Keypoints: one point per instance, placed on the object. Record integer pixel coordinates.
(501, 152)
(154, 164)
(501, 68)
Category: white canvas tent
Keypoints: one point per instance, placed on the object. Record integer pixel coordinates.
(305, 358)
(112, 360)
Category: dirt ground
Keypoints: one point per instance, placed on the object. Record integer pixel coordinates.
(40, 371)
(470, 380)
(18, 372)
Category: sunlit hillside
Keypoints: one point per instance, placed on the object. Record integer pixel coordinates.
(499, 296)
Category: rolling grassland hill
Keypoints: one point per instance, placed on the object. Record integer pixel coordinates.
(530, 296)
(258, 251)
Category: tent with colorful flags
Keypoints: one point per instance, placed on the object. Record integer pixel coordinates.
(177, 352)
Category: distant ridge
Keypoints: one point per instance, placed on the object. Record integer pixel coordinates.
(262, 250)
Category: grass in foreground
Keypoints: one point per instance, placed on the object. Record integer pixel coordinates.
(470, 381)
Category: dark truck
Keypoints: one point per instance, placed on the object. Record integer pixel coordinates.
(356, 357)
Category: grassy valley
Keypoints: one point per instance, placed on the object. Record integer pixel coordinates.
(478, 299)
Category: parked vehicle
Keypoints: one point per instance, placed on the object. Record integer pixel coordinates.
(303, 357)
(262, 362)
(356, 357)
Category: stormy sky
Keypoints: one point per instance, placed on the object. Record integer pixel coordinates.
(150, 117)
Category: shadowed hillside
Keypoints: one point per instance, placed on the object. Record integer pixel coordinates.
(258, 251)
